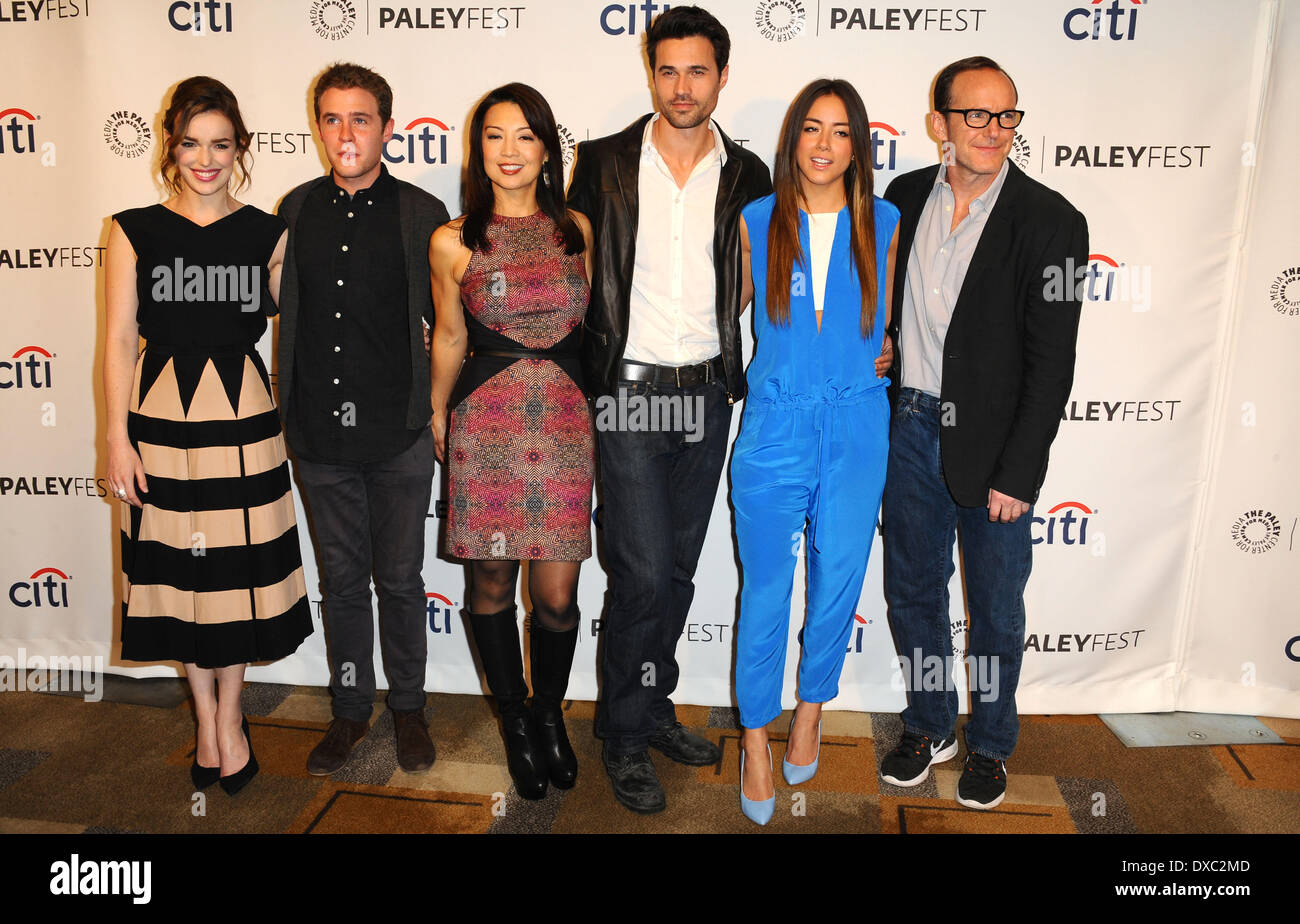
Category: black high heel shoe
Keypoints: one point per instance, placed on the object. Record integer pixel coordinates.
(241, 777)
(203, 777)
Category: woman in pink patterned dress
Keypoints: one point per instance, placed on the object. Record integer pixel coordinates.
(510, 288)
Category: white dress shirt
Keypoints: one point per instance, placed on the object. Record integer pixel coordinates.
(673, 308)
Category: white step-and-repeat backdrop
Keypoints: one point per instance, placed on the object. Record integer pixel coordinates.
(1166, 549)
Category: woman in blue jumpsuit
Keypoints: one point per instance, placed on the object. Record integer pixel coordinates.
(814, 439)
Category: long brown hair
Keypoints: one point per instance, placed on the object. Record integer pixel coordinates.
(476, 192)
(192, 97)
(783, 248)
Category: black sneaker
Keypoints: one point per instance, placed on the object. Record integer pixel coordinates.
(675, 742)
(635, 783)
(909, 763)
(983, 783)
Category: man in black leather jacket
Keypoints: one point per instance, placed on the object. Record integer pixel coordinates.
(662, 336)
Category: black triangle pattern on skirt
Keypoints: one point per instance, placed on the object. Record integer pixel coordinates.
(188, 368)
(151, 366)
(230, 369)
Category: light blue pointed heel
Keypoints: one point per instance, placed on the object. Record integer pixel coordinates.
(758, 811)
(794, 773)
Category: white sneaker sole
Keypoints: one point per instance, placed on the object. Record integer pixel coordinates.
(938, 757)
(981, 805)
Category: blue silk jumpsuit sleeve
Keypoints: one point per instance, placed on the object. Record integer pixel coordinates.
(812, 449)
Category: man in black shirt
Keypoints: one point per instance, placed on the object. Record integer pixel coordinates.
(354, 394)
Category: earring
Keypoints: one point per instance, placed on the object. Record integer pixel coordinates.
(546, 177)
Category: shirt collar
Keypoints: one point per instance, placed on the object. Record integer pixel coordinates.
(383, 186)
(649, 150)
(986, 200)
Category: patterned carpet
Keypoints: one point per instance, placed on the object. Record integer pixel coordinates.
(68, 766)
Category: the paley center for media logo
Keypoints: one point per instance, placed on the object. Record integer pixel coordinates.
(332, 19)
(127, 134)
(780, 20)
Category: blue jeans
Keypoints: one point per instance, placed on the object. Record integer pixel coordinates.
(920, 521)
(657, 493)
(368, 518)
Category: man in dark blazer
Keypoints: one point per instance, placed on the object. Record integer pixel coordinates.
(664, 199)
(354, 395)
(983, 366)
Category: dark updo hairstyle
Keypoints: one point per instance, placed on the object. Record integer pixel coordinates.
(477, 196)
(193, 97)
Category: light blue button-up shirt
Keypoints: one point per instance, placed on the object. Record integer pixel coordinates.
(936, 269)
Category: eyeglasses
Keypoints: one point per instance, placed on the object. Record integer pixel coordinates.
(978, 118)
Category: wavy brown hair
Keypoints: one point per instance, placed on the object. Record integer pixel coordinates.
(193, 97)
(783, 248)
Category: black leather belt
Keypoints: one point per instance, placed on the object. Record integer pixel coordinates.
(678, 376)
(526, 354)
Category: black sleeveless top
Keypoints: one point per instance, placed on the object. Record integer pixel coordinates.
(201, 286)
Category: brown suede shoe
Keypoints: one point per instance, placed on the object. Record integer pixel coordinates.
(415, 752)
(335, 748)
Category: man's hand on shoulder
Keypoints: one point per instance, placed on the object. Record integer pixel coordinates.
(1005, 509)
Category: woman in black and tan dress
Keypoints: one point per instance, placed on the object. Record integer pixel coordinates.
(212, 572)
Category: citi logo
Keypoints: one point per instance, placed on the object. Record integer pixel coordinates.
(17, 131)
(200, 16)
(888, 142)
(1058, 526)
(622, 18)
(431, 148)
(1086, 23)
(855, 634)
(46, 587)
(29, 368)
(1101, 279)
(440, 610)
(1109, 280)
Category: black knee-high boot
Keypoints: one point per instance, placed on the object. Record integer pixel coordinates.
(551, 655)
(497, 639)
